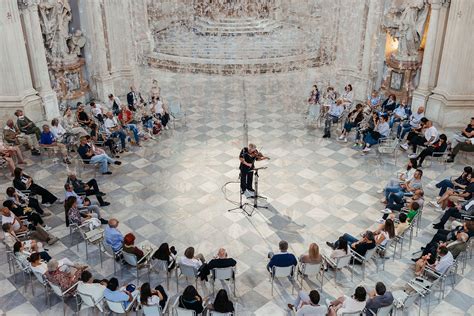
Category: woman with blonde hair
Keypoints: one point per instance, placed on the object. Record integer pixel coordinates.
(313, 255)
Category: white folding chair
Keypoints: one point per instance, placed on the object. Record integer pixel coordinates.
(223, 274)
(162, 265)
(283, 272)
(25, 271)
(131, 259)
(110, 251)
(383, 311)
(84, 301)
(338, 263)
(179, 311)
(188, 272)
(362, 259)
(382, 253)
(42, 279)
(57, 290)
(404, 301)
(93, 237)
(154, 310)
(214, 313)
(310, 269)
(118, 308)
(177, 113)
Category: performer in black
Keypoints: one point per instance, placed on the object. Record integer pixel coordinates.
(247, 157)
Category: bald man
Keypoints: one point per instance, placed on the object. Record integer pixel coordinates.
(113, 236)
(221, 260)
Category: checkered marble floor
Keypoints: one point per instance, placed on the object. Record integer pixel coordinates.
(171, 190)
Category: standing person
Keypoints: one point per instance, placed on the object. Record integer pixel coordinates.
(132, 99)
(114, 104)
(25, 125)
(247, 158)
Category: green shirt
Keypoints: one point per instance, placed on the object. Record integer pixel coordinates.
(411, 214)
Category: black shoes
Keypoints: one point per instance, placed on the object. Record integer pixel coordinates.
(438, 226)
(330, 244)
(108, 172)
(35, 152)
(105, 204)
(326, 135)
(118, 163)
(103, 221)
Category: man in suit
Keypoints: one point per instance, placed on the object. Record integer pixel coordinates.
(378, 298)
(283, 258)
(132, 99)
(466, 208)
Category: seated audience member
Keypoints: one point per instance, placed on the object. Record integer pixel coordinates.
(426, 136)
(346, 304)
(222, 304)
(87, 286)
(412, 124)
(190, 299)
(114, 104)
(120, 295)
(282, 258)
(82, 117)
(378, 298)
(435, 150)
(340, 250)
(65, 265)
(9, 152)
(160, 111)
(347, 96)
(113, 129)
(100, 139)
(24, 182)
(313, 256)
(74, 216)
(381, 130)
(314, 96)
(113, 236)
(459, 183)
(402, 176)
(84, 203)
(61, 278)
(60, 134)
(308, 304)
(47, 139)
(389, 105)
(334, 114)
(37, 232)
(353, 120)
(24, 249)
(97, 111)
(87, 154)
(407, 187)
(33, 218)
(10, 239)
(444, 261)
(465, 134)
(166, 253)
(453, 197)
(219, 261)
(457, 246)
(126, 118)
(129, 246)
(399, 114)
(373, 100)
(13, 136)
(361, 246)
(403, 224)
(397, 202)
(387, 232)
(25, 125)
(462, 209)
(189, 259)
(23, 200)
(149, 297)
(71, 125)
(88, 188)
(467, 146)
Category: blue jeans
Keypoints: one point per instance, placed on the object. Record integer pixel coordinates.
(394, 189)
(102, 160)
(134, 129)
(393, 120)
(349, 238)
(348, 126)
(403, 129)
(395, 197)
(120, 134)
(444, 185)
(372, 139)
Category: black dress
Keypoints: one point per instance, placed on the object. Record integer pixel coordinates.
(46, 196)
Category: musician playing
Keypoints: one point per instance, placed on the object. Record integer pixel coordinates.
(247, 157)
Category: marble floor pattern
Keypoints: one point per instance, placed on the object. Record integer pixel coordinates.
(171, 190)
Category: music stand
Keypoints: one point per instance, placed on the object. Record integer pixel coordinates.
(256, 196)
(241, 206)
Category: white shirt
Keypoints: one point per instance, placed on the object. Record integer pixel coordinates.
(310, 310)
(58, 131)
(96, 290)
(351, 305)
(415, 119)
(42, 268)
(196, 263)
(383, 129)
(11, 219)
(110, 103)
(153, 300)
(400, 112)
(336, 110)
(431, 132)
(348, 96)
(96, 110)
(444, 263)
(387, 237)
(110, 123)
(159, 107)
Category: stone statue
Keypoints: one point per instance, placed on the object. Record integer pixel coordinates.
(76, 42)
(406, 23)
(55, 16)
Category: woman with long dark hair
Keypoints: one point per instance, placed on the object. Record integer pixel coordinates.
(222, 304)
(24, 182)
(151, 297)
(190, 299)
(165, 253)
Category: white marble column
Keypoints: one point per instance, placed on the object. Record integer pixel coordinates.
(452, 100)
(95, 51)
(37, 57)
(16, 88)
(422, 91)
